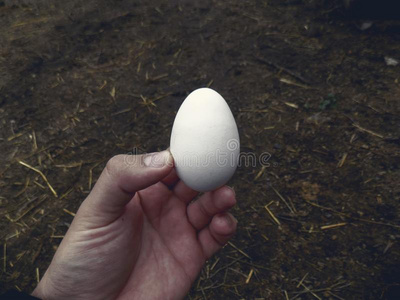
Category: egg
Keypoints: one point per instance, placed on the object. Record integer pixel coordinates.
(205, 141)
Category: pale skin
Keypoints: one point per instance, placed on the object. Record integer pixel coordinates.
(139, 235)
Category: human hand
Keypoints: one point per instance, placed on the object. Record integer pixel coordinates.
(138, 235)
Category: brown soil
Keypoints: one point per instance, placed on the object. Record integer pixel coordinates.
(79, 84)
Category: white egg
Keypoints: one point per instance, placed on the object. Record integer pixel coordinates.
(205, 141)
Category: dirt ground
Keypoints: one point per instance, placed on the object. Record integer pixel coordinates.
(80, 83)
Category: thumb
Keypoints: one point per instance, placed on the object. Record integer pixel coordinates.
(122, 177)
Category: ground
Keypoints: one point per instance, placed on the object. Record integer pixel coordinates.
(80, 83)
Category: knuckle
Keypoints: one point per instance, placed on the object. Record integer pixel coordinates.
(205, 210)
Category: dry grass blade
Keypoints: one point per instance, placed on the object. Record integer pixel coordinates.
(287, 81)
(35, 146)
(241, 251)
(333, 226)
(249, 276)
(302, 280)
(292, 210)
(286, 294)
(14, 136)
(351, 217)
(368, 131)
(66, 193)
(37, 275)
(158, 77)
(272, 215)
(72, 165)
(121, 111)
(91, 173)
(311, 292)
(113, 92)
(214, 264)
(282, 68)
(225, 266)
(24, 189)
(260, 173)
(292, 105)
(41, 174)
(69, 212)
(334, 295)
(36, 204)
(5, 257)
(253, 110)
(341, 162)
(57, 236)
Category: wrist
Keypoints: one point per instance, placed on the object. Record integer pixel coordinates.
(37, 292)
(42, 289)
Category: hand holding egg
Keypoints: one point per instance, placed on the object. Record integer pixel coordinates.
(205, 141)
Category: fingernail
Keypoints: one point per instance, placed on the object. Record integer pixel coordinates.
(158, 159)
(230, 219)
